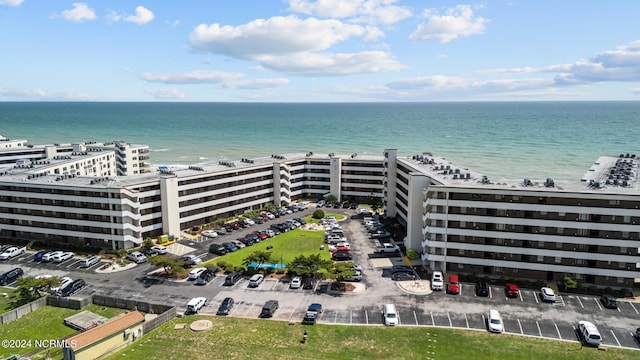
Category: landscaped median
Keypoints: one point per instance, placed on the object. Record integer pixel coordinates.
(235, 338)
(284, 248)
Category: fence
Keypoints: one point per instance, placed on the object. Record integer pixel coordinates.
(18, 312)
(69, 303)
(165, 312)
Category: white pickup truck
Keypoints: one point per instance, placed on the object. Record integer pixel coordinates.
(387, 248)
(12, 251)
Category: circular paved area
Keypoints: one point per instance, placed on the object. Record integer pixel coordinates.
(200, 325)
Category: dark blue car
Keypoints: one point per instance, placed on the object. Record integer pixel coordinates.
(38, 256)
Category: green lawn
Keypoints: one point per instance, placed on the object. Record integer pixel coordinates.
(286, 247)
(45, 323)
(5, 301)
(233, 338)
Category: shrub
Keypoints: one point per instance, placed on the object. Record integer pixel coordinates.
(412, 254)
(239, 269)
(318, 214)
(222, 265)
(148, 242)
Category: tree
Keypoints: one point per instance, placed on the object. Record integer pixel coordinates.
(169, 264)
(258, 257)
(340, 270)
(318, 214)
(308, 265)
(29, 288)
(331, 198)
(569, 282)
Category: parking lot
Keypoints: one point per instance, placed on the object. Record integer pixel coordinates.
(525, 315)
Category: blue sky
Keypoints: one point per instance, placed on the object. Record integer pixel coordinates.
(319, 50)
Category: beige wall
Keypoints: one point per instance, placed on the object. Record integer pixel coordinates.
(108, 344)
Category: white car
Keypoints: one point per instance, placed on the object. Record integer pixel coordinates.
(137, 257)
(193, 274)
(196, 304)
(51, 255)
(250, 222)
(43, 276)
(62, 257)
(238, 244)
(547, 294)
(494, 322)
(64, 281)
(437, 281)
(191, 260)
(12, 252)
(270, 216)
(296, 282)
(161, 250)
(210, 233)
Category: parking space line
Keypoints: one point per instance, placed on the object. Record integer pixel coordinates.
(539, 331)
(351, 317)
(557, 330)
(616, 338)
(450, 323)
(490, 294)
(433, 323)
(520, 326)
(597, 303)
(335, 319)
(535, 296)
(366, 317)
(520, 293)
(634, 308)
(580, 301)
(466, 320)
(415, 317)
(558, 296)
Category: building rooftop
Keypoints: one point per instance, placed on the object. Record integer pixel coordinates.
(111, 327)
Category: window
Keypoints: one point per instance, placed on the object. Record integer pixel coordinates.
(578, 276)
(542, 229)
(460, 266)
(500, 226)
(583, 217)
(579, 261)
(620, 280)
(625, 235)
(461, 252)
(558, 260)
(558, 245)
(614, 202)
(540, 258)
(561, 214)
(583, 232)
(623, 250)
(463, 224)
(560, 230)
(621, 265)
(627, 219)
(463, 210)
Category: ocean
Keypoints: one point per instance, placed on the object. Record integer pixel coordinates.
(499, 139)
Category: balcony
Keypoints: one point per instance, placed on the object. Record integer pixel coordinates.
(425, 243)
(424, 257)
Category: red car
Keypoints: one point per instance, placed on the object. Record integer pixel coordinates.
(512, 290)
(342, 249)
(262, 236)
(453, 287)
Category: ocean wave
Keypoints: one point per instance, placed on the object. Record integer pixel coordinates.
(159, 150)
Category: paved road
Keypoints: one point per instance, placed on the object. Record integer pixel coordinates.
(525, 315)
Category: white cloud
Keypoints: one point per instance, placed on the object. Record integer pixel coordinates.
(454, 23)
(13, 94)
(274, 36)
(224, 79)
(11, 2)
(79, 13)
(635, 91)
(142, 16)
(167, 94)
(192, 77)
(312, 64)
(366, 11)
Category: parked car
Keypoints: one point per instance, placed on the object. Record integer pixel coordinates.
(137, 257)
(494, 322)
(64, 282)
(437, 281)
(308, 283)
(193, 274)
(194, 305)
(402, 276)
(210, 233)
(38, 256)
(355, 277)
(218, 249)
(90, 261)
(401, 268)
(12, 252)
(609, 301)
(49, 256)
(589, 333)
(73, 288)
(148, 252)
(230, 247)
(512, 290)
(482, 289)
(256, 280)
(225, 306)
(341, 256)
(232, 278)
(63, 257)
(191, 260)
(313, 313)
(547, 294)
(296, 282)
(637, 334)
(10, 276)
(453, 287)
(269, 308)
(238, 244)
(206, 276)
(161, 250)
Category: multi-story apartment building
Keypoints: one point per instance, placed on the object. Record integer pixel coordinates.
(457, 219)
(534, 229)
